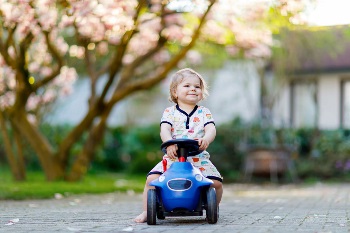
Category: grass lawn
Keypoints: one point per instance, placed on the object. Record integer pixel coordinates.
(36, 187)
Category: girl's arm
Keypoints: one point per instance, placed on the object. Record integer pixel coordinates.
(165, 135)
(165, 132)
(209, 136)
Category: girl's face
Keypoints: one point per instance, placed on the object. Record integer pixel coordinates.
(189, 91)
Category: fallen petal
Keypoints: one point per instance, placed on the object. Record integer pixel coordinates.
(12, 221)
(73, 229)
(120, 183)
(128, 229)
(130, 192)
(58, 196)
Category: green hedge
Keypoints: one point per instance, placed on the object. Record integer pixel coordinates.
(320, 154)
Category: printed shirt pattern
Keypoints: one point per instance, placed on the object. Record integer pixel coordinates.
(185, 125)
(189, 126)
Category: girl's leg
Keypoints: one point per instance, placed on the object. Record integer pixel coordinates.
(219, 190)
(143, 216)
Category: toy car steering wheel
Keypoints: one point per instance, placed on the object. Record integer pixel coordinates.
(186, 147)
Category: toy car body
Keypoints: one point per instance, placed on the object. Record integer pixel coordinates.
(182, 190)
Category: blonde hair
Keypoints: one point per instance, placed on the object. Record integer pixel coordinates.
(179, 76)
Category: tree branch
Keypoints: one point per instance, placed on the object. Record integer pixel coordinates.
(146, 83)
(116, 63)
(60, 62)
(4, 49)
(128, 70)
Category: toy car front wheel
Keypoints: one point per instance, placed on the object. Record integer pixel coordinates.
(212, 208)
(151, 207)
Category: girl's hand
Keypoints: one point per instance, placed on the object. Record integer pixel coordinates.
(203, 143)
(171, 152)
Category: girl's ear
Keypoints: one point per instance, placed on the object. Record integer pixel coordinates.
(174, 93)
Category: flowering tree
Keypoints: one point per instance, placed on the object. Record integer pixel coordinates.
(134, 43)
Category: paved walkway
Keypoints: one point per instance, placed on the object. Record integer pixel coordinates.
(245, 208)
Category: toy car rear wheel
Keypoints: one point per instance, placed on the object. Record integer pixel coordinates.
(212, 208)
(151, 207)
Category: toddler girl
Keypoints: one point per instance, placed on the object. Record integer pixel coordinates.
(186, 120)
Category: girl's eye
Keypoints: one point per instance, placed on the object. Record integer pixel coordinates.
(198, 87)
(186, 85)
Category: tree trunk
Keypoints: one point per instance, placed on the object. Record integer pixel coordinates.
(56, 163)
(52, 167)
(20, 156)
(16, 165)
(84, 159)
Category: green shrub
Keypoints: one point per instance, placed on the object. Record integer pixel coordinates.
(109, 155)
(319, 154)
(142, 148)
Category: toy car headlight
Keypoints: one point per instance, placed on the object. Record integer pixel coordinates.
(161, 178)
(199, 177)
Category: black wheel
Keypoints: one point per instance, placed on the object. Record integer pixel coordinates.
(212, 208)
(151, 207)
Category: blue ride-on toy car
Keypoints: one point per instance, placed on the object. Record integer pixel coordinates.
(181, 190)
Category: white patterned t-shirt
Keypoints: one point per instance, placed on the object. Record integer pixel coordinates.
(185, 125)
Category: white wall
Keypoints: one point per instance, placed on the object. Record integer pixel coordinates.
(233, 92)
(281, 110)
(329, 102)
(328, 95)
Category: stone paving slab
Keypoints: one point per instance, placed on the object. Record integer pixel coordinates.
(318, 208)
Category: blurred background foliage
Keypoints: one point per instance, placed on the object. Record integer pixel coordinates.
(317, 154)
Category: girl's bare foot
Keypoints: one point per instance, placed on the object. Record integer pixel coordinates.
(141, 218)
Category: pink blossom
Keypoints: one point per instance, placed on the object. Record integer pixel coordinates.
(128, 58)
(45, 71)
(6, 100)
(11, 52)
(33, 67)
(214, 31)
(173, 19)
(33, 102)
(66, 90)
(49, 96)
(236, 24)
(162, 57)
(232, 50)
(69, 75)
(32, 119)
(66, 21)
(11, 81)
(291, 6)
(76, 51)
(113, 39)
(173, 32)
(194, 57)
(102, 48)
(62, 45)
(260, 51)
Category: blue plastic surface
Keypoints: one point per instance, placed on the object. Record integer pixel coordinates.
(180, 172)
